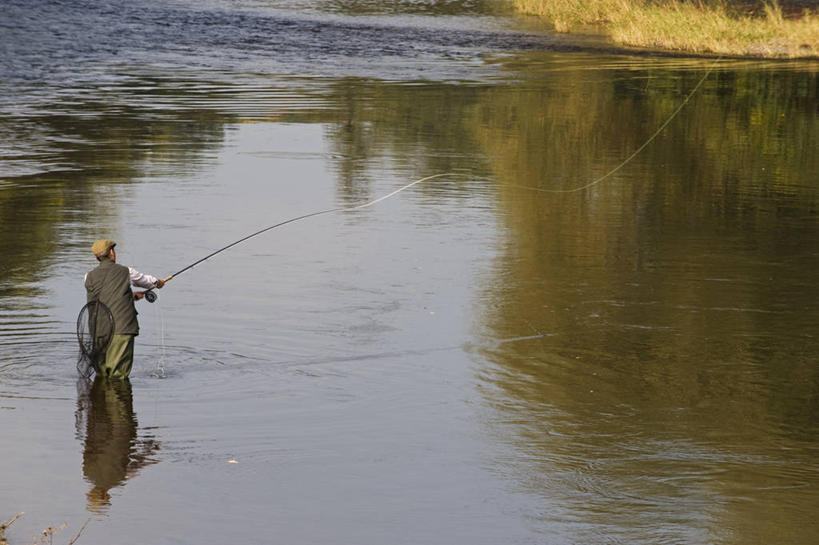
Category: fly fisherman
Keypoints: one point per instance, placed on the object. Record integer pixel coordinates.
(110, 284)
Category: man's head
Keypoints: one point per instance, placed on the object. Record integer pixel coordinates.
(102, 248)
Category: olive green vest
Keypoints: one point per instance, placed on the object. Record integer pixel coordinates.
(110, 283)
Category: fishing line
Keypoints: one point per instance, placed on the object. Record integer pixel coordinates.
(151, 297)
(159, 366)
(639, 149)
(300, 364)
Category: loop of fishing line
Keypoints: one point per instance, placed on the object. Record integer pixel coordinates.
(151, 297)
(639, 149)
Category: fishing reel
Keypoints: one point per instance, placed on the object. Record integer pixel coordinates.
(150, 295)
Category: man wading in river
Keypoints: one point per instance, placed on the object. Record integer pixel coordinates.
(110, 284)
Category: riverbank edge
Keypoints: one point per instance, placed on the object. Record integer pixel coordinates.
(683, 29)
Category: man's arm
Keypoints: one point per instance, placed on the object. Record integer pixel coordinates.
(144, 280)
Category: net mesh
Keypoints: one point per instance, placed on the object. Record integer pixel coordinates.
(95, 327)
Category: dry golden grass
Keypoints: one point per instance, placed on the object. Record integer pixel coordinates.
(693, 27)
(569, 13)
(46, 537)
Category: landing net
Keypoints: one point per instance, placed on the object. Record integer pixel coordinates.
(95, 327)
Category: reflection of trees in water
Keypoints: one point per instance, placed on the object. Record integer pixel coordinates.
(423, 129)
(681, 361)
(87, 155)
(694, 228)
(676, 291)
(112, 451)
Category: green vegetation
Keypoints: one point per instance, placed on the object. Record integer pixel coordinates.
(701, 27)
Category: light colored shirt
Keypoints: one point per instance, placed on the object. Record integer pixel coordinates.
(138, 279)
(142, 280)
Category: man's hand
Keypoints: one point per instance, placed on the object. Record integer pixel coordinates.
(159, 284)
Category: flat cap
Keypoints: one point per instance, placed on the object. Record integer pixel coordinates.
(101, 246)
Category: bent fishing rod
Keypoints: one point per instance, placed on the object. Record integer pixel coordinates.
(150, 296)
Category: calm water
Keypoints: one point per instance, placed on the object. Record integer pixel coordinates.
(478, 359)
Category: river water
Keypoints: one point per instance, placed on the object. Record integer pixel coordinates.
(491, 356)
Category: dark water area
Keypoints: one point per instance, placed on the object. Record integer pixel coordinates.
(492, 356)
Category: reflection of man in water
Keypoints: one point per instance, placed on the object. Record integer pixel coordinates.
(112, 452)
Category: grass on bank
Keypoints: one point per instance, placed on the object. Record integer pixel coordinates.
(694, 27)
(46, 537)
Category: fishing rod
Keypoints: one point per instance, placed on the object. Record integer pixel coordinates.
(150, 296)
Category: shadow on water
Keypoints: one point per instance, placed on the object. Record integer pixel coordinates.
(113, 451)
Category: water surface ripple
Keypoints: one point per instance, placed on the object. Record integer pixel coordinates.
(475, 360)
